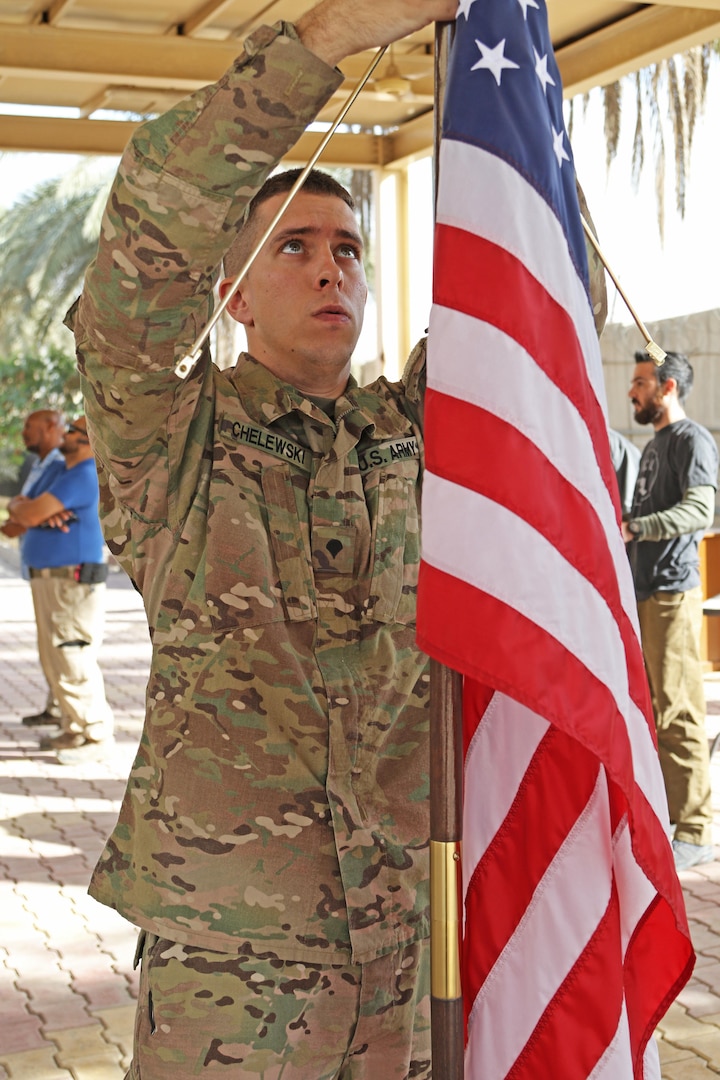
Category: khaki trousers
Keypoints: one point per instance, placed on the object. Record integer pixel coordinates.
(670, 627)
(70, 622)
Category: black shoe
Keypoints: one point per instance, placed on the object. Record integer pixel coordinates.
(64, 740)
(41, 719)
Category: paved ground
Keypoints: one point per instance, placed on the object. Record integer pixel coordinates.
(67, 988)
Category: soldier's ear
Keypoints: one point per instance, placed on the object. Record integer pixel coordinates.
(238, 307)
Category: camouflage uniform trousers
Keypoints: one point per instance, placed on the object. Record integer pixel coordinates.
(203, 1013)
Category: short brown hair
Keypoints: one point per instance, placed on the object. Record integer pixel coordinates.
(316, 183)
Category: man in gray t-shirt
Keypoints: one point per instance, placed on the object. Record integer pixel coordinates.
(673, 505)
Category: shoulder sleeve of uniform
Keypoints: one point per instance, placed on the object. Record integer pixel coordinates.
(414, 380)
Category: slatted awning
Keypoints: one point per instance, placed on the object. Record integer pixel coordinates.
(102, 58)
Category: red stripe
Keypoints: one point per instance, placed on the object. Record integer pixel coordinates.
(659, 957)
(481, 279)
(475, 700)
(514, 655)
(539, 835)
(490, 456)
(583, 1016)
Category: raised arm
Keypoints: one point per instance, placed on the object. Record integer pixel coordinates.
(179, 196)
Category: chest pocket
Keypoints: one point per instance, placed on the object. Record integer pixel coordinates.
(258, 562)
(395, 494)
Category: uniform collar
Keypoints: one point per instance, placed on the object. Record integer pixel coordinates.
(266, 399)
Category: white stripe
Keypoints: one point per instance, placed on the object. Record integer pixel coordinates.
(551, 936)
(511, 214)
(475, 362)
(616, 1063)
(651, 1061)
(634, 889)
(484, 544)
(495, 764)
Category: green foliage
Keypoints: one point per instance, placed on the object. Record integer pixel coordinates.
(30, 380)
(47, 239)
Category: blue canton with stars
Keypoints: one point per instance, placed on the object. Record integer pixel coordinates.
(504, 94)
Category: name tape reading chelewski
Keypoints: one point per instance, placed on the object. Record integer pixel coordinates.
(269, 441)
(288, 450)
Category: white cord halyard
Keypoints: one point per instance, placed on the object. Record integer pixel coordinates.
(185, 365)
(656, 354)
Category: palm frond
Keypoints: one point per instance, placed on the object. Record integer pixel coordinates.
(668, 92)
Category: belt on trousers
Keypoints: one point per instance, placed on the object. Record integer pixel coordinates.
(71, 572)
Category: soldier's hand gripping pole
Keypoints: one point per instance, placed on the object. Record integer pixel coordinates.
(186, 364)
(656, 354)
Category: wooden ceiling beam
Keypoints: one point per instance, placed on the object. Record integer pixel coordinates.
(62, 136)
(708, 5)
(180, 64)
(203, 16)
(632, 43)
(56, 135)
(45, 52)
(145, 60)
(56, 9)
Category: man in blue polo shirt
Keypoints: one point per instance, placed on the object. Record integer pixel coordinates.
(42, 434)
(67, 577)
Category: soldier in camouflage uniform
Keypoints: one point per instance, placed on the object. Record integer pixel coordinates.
(273, 841)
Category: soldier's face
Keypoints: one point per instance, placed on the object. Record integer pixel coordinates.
(646, 394)
(303, 301)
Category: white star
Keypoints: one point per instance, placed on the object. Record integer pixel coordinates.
(493, 59)
(541, 71)
(464, 8)
(524, 4)
(558, 149)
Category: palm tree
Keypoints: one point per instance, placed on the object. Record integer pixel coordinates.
(47, 239)
(671, 91)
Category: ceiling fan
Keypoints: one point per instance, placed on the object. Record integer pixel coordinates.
(392, 85)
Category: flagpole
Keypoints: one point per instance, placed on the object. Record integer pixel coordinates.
(448, 1033)
(446, 776)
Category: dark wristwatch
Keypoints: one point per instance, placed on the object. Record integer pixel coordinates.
(634, 527)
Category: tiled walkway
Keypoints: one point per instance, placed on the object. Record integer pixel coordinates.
(67, 987)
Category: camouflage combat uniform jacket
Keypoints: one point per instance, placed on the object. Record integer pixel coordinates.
(279, 794)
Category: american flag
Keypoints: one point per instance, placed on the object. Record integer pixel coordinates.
(575, 935)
